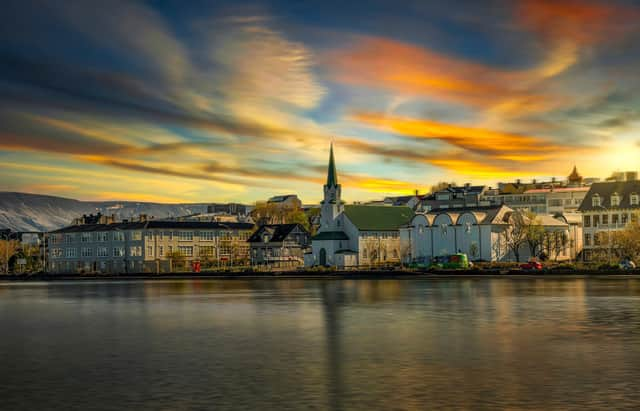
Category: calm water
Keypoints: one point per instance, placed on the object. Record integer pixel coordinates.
(305, 344)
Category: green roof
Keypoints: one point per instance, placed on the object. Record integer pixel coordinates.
(330, 235)
(332, 175)
(378, 218)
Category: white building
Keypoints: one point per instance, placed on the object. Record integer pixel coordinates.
(352, 235)
(477, 232)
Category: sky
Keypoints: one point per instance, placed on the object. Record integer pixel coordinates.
(204, 101)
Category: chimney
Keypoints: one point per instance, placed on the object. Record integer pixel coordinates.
(416, 192)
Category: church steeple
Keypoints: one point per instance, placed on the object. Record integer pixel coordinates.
(332, 175)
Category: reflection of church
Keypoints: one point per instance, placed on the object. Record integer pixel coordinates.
(352, 235)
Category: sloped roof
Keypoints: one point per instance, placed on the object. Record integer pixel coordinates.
(606, 190)
(277, 232)
(155, 224)
(378, 218)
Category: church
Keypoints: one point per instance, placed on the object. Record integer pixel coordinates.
(355, 235)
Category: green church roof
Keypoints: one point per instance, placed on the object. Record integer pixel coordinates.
(378, 218)
(332, 175)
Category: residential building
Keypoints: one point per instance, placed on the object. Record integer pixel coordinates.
(229, 209)
(281, 245)
(352, 235)
(146, 246)
(477, 232)
(623, 176)
(412, 201)
(454, 197)
(607, 207)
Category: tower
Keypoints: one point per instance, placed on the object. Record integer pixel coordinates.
(332, 203)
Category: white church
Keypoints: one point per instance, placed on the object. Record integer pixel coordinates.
(353, 235)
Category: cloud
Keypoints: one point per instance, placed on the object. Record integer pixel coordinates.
(482, 141)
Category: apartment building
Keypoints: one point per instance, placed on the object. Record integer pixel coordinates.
(279, 244)
(606, 208)
(146, 246)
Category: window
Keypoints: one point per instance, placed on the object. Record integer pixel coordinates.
(634, 217)
(208, 250)
(86, 252)
(118, 236)
(85, 237)
(136, 235)
(159, 235)
(186, 251)
(633, 199)
(615, 200)
(624, 218)
(587, 221)
(605, 219)
(102, 236)
(595, 201)
(135, 251)
(420, 228)
(587, 239)
(69, 238)
(102, 252)
(614, 219)
(71, 252)
(207, 235)
(596, 220)
(169, 234)
(118, 251)
(185, 235)
(53, 239)
(161, 251)
(556, 202)
(596, 239)
(150, 250)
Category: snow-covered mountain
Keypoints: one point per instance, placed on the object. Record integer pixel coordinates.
(35, 212)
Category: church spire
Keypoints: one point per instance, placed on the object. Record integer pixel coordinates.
(332, 175)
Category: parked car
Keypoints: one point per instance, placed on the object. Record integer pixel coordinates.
(627, 264)
(453, 261)
(532, 265)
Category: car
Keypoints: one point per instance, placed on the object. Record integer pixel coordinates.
(453, 261)
(531, 266)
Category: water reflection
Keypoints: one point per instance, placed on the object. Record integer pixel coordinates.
(321, 344)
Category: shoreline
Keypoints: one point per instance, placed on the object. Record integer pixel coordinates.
(329, 275)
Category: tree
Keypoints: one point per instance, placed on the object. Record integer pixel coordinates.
(8, 249)
(626, 242)
(534, 233)
(515, 233)
(441, 185)
(370, 246)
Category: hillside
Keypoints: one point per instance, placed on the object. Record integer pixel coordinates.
(35, 212)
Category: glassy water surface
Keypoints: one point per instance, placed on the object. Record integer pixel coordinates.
(526, 344)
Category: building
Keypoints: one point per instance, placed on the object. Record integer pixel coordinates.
(623, 176)
(281, 245)
(477, 232)
(229, 209)
(607, 207)
(454, 197)
(146, 246)
(554, 200)
(352, 235)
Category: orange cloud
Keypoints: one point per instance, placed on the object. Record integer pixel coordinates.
(525, 148)
(582, 22)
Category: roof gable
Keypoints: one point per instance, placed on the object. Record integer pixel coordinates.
(624, 189)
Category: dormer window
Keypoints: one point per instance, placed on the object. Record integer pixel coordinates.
(595, 201)
(265, 238)
(634, 200)
(615, 200)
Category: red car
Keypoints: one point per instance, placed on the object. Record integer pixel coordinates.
(531, 265)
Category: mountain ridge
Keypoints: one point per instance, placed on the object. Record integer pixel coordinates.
(43, 212)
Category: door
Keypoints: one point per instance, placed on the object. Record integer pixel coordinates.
(323, 257)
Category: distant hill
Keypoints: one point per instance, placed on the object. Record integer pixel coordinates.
(35, 212)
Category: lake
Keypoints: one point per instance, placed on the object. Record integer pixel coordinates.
(450, 343)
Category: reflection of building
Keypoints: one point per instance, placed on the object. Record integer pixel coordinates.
(478, 232)
(608, 207)
(351, 235)
(145, 246)
(279, 244)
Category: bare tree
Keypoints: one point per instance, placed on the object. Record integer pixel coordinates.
(515, 233)
(534, 233)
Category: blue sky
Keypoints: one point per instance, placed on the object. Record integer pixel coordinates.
(194, 101)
